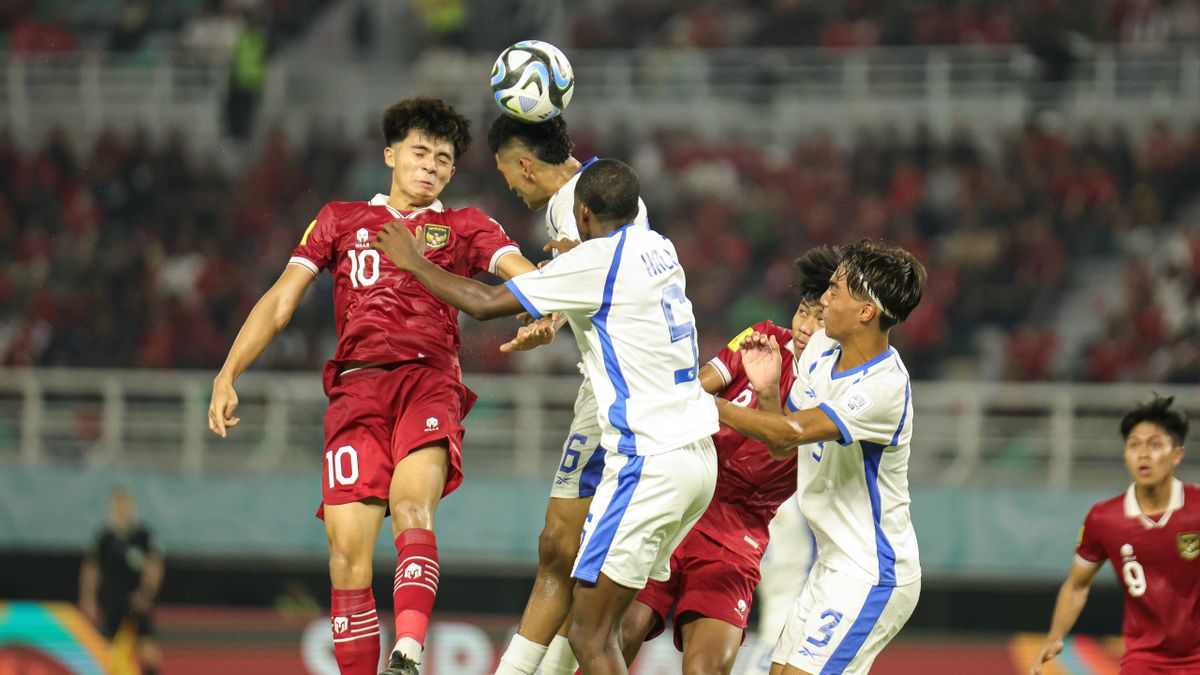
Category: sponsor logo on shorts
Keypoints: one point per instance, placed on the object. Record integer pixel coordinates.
(413, 571)
(741, 608)
(431, 424)
(340, 624)
(1189, 545)
(562, 480)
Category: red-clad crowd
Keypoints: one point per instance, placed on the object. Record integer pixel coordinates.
(141, 252)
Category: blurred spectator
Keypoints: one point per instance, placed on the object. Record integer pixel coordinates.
(120, 578)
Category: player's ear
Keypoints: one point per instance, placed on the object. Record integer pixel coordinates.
(526, 167)
(389, 157)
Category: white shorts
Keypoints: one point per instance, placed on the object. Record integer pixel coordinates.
(581, 466)
(840, 624)
(785, 566)
(643, 508)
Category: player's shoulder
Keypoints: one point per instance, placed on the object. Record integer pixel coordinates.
(1113, 507)
(767, 327)
(1191, 496)
(468, 218)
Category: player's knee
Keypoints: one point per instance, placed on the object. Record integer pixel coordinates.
(557, 547)
(709, 661)
(408, 514)
(349, 567)
(585, 640)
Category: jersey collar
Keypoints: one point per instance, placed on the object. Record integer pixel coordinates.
(1132, 510)
(382, 200)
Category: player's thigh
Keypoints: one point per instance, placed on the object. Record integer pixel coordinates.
(582, 462)
(431, 405)
(642, 509)
(418, 484)
(709, 645)
(840, 624)
(718, 585)
(598, 608)
(358, 461)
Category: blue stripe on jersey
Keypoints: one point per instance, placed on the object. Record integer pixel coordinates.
(872, 454)
(512, 288)
(617, 412)
(586, 164)
(847, 439)
(550, 217)
(589, 478)
(595, 549)
(904, 414)
(862, 368)
(877, 599)
(792, 406)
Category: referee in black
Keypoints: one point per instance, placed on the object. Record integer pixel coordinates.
(120, 578)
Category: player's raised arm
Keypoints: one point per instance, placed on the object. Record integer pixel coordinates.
(781, 433)
(1072, 596)
(478, 299)
(269, 316)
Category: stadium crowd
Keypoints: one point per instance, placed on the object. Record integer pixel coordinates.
(140, 252)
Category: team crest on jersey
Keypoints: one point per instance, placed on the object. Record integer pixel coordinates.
(436, 236)
(1189, 545)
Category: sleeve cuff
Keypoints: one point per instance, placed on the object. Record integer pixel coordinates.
(533, 311)
(847, 438)
(722, 370)
(305, 263)
(1087, 563)
(500, 253)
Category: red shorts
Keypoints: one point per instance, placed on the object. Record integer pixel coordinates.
(707, 579)
(378, 415)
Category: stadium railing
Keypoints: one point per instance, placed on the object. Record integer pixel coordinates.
(966, 433)
(786, 89)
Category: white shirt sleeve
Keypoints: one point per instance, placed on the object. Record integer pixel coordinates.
(805, 364)
(872, 410)
(572, 282)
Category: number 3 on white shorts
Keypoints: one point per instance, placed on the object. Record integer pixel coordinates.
(336, 465)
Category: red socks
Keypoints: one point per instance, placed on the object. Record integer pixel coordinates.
(355, 632)
(416, 582)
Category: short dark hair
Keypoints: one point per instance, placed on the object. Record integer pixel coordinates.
(548, 140)
(813, 271)
(610, 188)
(885, 274)
(1158, 411)
(430, 115)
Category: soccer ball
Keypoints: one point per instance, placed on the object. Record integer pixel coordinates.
(532, 81)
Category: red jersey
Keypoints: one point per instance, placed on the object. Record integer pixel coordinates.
(750, 485)
(384, 314)
(1158, 565)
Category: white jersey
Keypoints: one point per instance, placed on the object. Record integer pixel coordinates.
(560, 210)
(624, 297)
(854, 492)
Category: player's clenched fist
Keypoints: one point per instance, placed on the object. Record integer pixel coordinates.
(402, 247)
(1048, 651)
(221, 407)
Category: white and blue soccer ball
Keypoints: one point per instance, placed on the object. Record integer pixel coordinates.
(532, 81)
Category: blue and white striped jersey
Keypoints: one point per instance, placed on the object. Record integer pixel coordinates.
(624, 296)
(854, 492)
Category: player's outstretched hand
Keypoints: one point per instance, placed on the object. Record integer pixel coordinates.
(402, 247)
(761, 359)
(221, 408)
(560, 245)
(1048, 651)
(535, 334)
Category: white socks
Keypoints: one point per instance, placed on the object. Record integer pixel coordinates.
(560, 660)
(409, 648)
(521, 658)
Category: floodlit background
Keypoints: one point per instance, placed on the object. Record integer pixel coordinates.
(160, 159)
